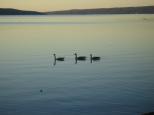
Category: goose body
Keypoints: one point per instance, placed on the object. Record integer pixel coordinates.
(59, 58)
(80, 57)
(94, 57)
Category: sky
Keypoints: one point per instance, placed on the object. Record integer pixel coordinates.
(52, 5)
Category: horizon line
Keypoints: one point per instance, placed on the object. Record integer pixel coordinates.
(76, 8)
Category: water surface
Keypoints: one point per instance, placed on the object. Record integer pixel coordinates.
(121, 83)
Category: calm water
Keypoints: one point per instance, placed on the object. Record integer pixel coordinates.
(122, 83)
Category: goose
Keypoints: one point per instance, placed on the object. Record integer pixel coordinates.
(59, 58)
(94, 58)
(80, 57)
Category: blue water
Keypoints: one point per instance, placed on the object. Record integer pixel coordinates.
(121, 83)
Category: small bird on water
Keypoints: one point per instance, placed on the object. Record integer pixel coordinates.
(41, 90)
(94, 58)
(58, 58)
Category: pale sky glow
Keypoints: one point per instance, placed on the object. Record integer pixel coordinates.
(50, 5)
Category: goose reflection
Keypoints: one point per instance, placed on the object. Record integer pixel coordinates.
(79, 58)
(94, 58)
(57, 59)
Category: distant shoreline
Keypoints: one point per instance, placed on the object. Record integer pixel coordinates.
(97, 11)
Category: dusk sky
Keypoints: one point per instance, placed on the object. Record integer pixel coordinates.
(50, 5)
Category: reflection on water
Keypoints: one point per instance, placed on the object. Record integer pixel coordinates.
(119, 83)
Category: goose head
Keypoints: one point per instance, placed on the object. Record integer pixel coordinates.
(75, 54)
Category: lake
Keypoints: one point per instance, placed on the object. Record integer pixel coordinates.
(121, 83)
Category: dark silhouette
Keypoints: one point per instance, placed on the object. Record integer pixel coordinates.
(11, 11)
(80, 58)
(41, 90)
(118, 10)
(94, 58)
(57, 59)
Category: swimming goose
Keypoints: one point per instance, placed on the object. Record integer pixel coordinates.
(80, 57)
(94, 58)
(59, 58)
